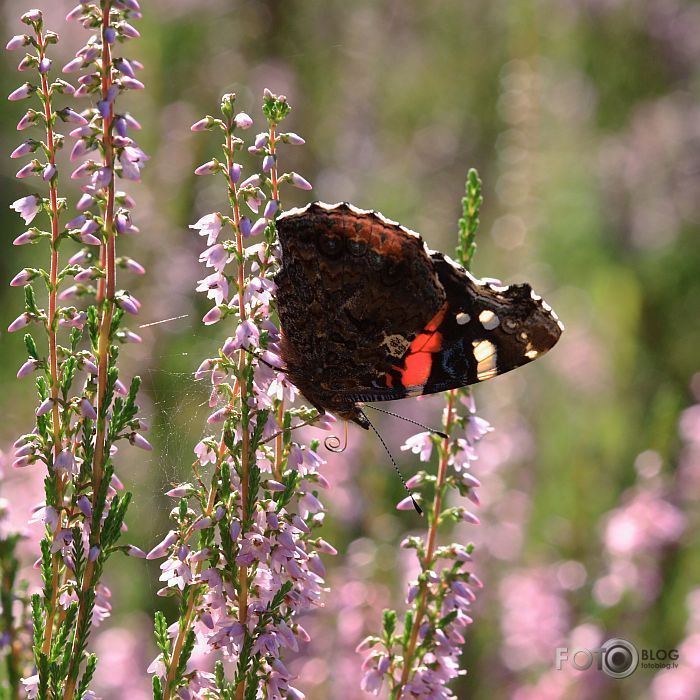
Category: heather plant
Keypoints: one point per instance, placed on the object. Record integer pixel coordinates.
(243, 557)
(419, 656)
(85, 411)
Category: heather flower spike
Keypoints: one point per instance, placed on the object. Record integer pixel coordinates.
(418, 657)
(83, 410)
(242, 556)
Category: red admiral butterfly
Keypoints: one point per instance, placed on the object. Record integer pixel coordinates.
(369, 313)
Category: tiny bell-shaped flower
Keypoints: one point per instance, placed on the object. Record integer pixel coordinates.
(243, 120)
(300, 182)
(208, 168)
(17, 42)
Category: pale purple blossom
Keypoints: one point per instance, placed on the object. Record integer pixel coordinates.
(209, 226)
(27, 207)
(300, 182)
(422, 444)
(22, 92)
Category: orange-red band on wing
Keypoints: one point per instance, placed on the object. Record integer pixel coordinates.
(419, 361)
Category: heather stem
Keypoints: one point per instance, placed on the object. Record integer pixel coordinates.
(429, 551)
(53, 353)
(105, 297)
(279, 439)
(186, 622)
(245, 438)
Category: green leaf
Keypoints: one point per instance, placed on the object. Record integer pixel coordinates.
(389, 623)
(161, 633)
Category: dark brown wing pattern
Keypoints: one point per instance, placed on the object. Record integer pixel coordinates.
(369, 313)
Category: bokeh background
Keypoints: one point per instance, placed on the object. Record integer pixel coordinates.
(582, 119)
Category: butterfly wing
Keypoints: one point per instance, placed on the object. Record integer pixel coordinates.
(368, 313)
(353, 293)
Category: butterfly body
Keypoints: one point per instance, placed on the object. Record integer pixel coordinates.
(369, 313)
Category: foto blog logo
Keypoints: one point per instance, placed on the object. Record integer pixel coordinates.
(618, 658)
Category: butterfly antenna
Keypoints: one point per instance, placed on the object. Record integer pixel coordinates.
(332, 442)
(419, 510)
(439, 433)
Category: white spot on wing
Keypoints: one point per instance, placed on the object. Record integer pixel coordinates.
(462, 318)
(485, 356)
(489, 320)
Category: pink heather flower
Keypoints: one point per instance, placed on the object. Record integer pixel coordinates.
(245, 226)
(23, 238)
(73, 65)
(29, 119)
(31, 685)
(124, 67)
(48, 172)
(252, 181)
(243, 121)
(22, 92)
(210, 226)
(270, 209)
(218, 416)
(208, 168)
(85, 506)
(130, 304)
(134, 551)
(258, 227)
(477, 428)
(128, 31)
(298, 181)
(26, 147)
(216, 256)
(27, 368)
(27, 170)
(45, 406)
(268, 163)
(247, 335)
(22, 278)
(139, 440)
(205, 454)
(44, 65)
(201, 125)
(27, 207)
(407, 503)
(421, 443)
(20, 322)
(68, 115)
(132, 160)
(292, 139)
(134, 266)
(86, 409)
(89, 239)
(175, 573)
(235, 172)
(162, 548)
(65, 462)
(32, 16)
(212, 316)
(216, 287)
(180, 491)
(17, 41)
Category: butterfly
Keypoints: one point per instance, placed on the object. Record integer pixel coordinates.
(369, 313)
